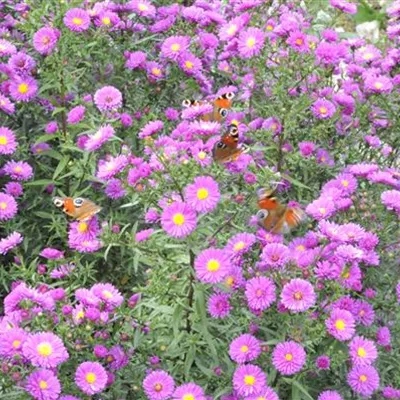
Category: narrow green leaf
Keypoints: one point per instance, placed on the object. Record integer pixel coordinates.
(61, 166)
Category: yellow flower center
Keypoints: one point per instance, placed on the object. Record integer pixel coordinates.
(363, 378)
(43, 385)
(17, 169)
(213, 265)
(361, 352)
(239, 246)
(289, 357)
(202, 194)
(189, 64)
(299, 41)
(323, 110)
(142, 7)
(235, 122)
(368, 56)
(175, 47)
(16, 344)
(300, 247)
(251, 42)
(340, 325)
(232, 30)
(3, 205)
(82, 227)
(77, 21)
(80, 315)
(270, 28)
(106, 21)
(274, 127)
(178, 219)
(345, 183)
(322, 210)
(188, 397)
(156, 71)
(46, 40)
(346, 275)
(44, 349)
(23, 88)
(249, 380)
(90, 377)
(158, 387)
(298, 296)
(361, 313)
(202, 155)
(107, 294)
(378, 85)
(229, 281)
(244, 349)
(259, 292)
(3, 140)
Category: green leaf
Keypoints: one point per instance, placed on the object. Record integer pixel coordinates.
(295, 182)
(302, 389)
(190, 356)
(41, 182)
(61, 166)
(44, 138)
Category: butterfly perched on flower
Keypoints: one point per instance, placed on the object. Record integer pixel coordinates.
(77, 208)
(221, 105)
(227, 149)
(274, 216)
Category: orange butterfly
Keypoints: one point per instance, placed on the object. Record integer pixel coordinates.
(228, 149)
(274, 216)
(78, 208)
(221, 106)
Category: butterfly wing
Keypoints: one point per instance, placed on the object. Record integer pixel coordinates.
(86, 211)
(227, 149)
(224, 101)
(292, 218)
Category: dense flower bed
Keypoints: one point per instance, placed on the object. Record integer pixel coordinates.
(198, 201)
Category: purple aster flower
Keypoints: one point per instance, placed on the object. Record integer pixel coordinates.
(211, 265)
(94, 142)
(240, 244)
(51, 127)
(86, 246)
(288, 358)
(203, 195)
(378, 84)
(178, 220)
(158, 385)
(8, 142)
(345, 6)
(229, 30)
(364, 312)
(249, 380)
(341, 324)
(91, 377)
(306, 149)
(43, 384)
(390, 198)
(23, 88)
(218, 305)
(383, 336)
(10, 242)
(171, 114)
(108, 294)
(8, 207)
(52, 254)
(330, 395)
(298, 295)
(323, 362)
(244, 348)
(298, 42)
(76, 115)
(260, 293)
(114, 189)
(363, 380)
(108, 98)
(189, 391)
(189, 63)
(117, 358)
(18, 170)
(389, 392)
(143, 235)
(6, 48)
(137, 59)
(77, 20)
(154, 71)
(275, 255)
(174, 46)
(45, 349)
(11, 342)
(321, 208)
(362, 351)
(193, 112)
(151, 128)
(45, 40)
(111, 167)
(143, 8)
(21, 63)
(6, 105)
(323, 109)
(251, 42)
(39, 148)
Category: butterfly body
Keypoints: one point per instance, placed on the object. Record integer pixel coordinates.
(221, 105)
(78, 208)
(276, 217)
(227, 149)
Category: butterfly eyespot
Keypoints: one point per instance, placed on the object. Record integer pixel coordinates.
(223, 112)
(72, 264)
(230, 95)
(220, 145)
(233, 130)
(78, 202)
(186, 103)
(262, 214)
(58, 202)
